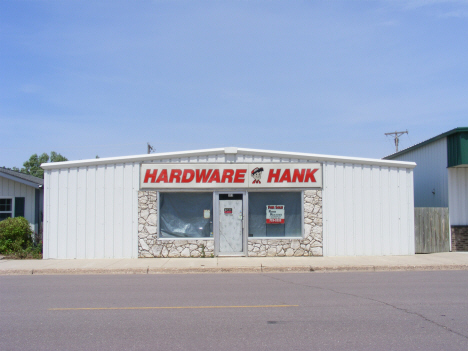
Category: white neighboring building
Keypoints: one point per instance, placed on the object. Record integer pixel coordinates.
(441, 178)
(228, 202)
(21, 195)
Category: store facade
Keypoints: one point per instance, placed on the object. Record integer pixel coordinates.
(228, 202)
(240, 210)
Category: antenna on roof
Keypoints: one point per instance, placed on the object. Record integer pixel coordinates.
(150, 148)
(397, 135)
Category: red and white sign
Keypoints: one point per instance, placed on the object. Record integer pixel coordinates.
(265, 175)
(275, 214)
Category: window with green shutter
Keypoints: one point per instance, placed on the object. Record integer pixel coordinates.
(19, 206)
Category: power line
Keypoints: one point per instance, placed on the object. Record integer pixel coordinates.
(397, 136)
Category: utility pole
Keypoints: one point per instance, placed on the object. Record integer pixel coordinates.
(150, 148)
(397, 135)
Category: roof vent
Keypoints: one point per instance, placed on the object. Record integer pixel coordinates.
(230, 150)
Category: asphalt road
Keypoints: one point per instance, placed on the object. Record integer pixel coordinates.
(285, 311)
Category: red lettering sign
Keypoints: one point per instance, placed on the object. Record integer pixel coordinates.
(202, 176)
(298, 175)
(240, 176)
(227, 176)
(310, 175)
(274, 175)
(286, 177)
(151, 175)
(188, 176)
(213, 175)
(162, 176)
(175, 175)
(302, 176)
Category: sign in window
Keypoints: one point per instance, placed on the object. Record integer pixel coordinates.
(268, 216)
(275, 214)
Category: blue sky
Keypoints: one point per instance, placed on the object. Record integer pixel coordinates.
(87, 78)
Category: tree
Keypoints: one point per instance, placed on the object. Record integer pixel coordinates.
(33, 165)
(55, 157)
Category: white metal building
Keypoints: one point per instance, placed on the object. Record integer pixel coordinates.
(441, 178)
(21, 195)
(228, 202)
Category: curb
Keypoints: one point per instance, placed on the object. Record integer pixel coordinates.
(261, 269)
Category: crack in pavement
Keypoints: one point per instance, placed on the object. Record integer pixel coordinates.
(375, 300)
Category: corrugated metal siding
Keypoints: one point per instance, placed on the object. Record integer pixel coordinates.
(221, 158)
(368, 210)
(10, 188)
(430, 174)
(241, 158)
(91, 212)
(458, 196)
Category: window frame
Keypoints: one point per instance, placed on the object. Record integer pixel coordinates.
(301, 191)
(12, 206)
(247, 192)
(158, 206)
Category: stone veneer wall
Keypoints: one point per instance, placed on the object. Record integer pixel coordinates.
(148, 243)
(150, 246)
(459, 237)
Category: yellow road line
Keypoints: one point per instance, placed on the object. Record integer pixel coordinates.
(165, 307)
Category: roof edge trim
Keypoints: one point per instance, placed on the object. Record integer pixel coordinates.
(205, 152)
(330, 158)
(130, 159)
(20, 180)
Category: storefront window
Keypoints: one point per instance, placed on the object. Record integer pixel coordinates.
(288, 220)
(186, 215)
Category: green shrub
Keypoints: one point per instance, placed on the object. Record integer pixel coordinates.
(15, 235)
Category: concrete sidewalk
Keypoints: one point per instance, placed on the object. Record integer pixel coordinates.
(436, 261)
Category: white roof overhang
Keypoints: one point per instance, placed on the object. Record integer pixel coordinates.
(227, 151)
